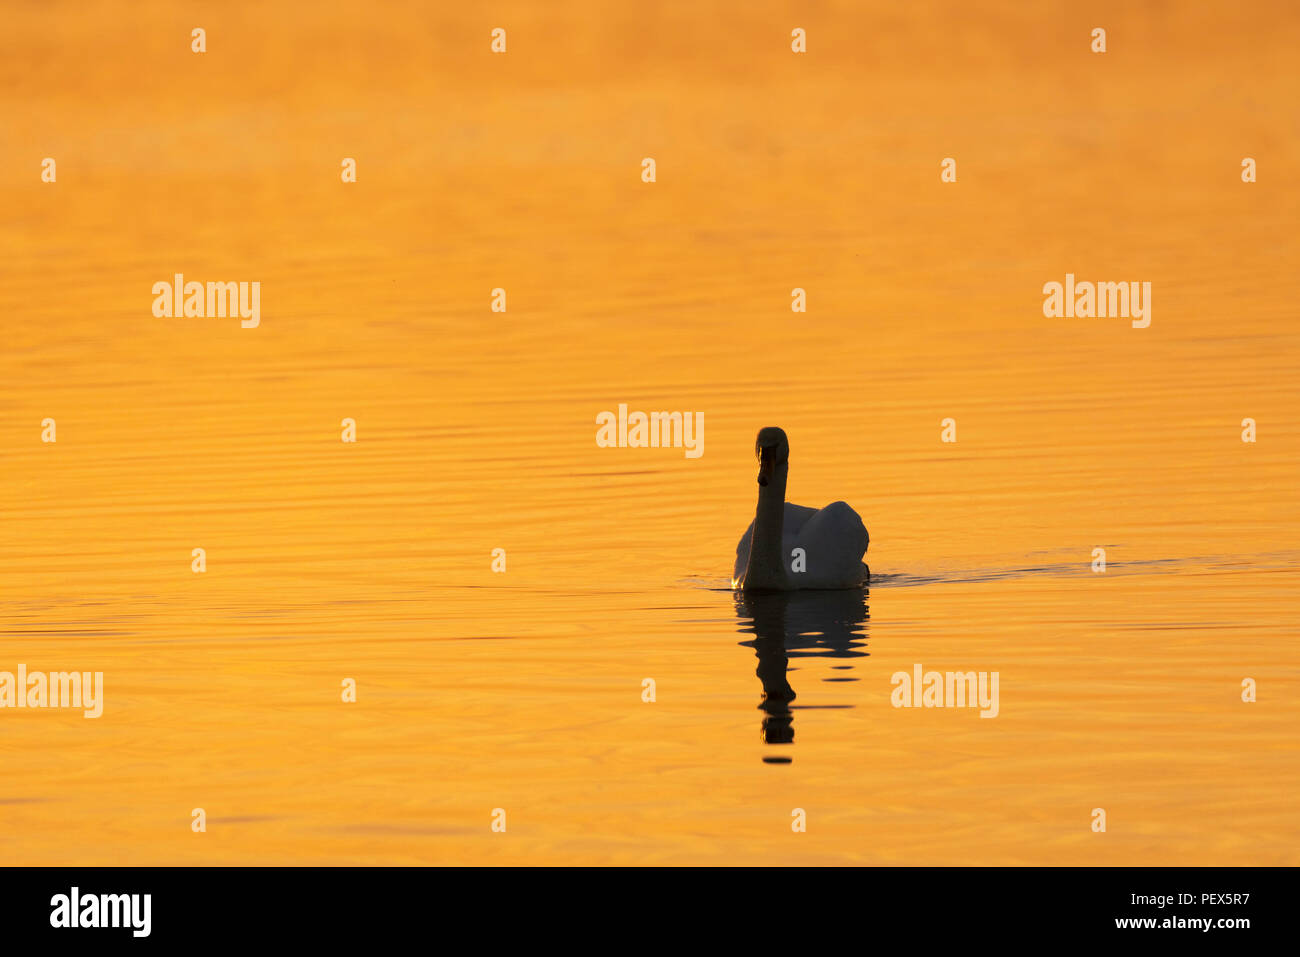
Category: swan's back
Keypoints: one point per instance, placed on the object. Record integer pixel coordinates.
(836, 543)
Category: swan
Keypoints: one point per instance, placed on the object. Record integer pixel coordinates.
(833, 539)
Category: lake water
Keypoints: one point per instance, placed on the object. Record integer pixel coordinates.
(522, 690)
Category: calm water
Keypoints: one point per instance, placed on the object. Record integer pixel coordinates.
(476, 430)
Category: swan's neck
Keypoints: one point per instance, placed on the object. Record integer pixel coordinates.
(766, 567)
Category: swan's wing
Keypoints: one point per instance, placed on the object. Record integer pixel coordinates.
(742, 553)
(835, 540)
(796, 517)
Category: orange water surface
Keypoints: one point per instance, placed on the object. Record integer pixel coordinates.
(522, 690)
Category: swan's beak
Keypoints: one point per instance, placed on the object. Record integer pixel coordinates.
(766, 456)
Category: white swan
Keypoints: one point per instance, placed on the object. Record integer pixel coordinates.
(833, 540)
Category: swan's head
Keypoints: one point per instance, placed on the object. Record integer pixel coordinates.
(773, 452)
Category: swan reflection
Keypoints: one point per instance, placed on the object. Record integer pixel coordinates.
(799, 624)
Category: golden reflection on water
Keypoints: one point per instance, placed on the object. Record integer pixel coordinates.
(523, 690)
